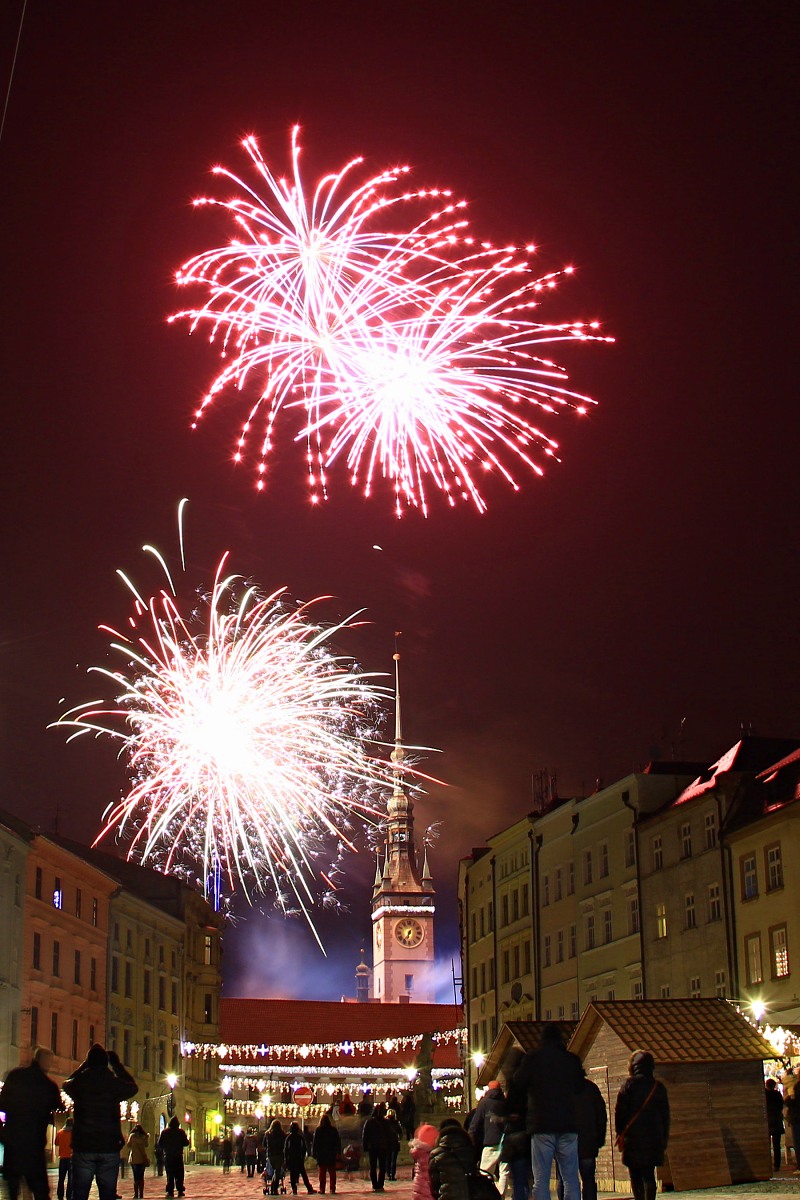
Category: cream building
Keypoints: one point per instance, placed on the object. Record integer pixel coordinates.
(14, 842)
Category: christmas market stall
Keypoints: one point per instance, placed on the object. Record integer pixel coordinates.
(712, 1062)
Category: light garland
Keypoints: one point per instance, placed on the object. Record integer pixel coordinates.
(425, 910)
(305, 1050)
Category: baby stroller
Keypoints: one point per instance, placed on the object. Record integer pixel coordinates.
(268, 1175)
(351, 1158)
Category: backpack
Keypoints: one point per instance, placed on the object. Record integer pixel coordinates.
(481, 1186)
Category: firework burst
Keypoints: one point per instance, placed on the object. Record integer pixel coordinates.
(245, 736)
(412, 355)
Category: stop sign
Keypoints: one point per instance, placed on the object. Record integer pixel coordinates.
(303, 1096)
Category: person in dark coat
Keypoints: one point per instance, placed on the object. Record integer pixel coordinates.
(641, 1119)
(97, 1088)
(276, 1140)
(552, 1077)
(487, 1126)
(29, 1097)
(326, 1149)
(452, 1159)
(590, 1110)
(516, 1150)
(173, 1142)
(294, 1154)
(774, 1101)
(375, 1139)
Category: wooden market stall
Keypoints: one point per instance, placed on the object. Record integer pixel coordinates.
(711, 1061)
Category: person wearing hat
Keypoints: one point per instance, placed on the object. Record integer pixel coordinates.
(641, 1123)
(97, 1089)
(420, 1147)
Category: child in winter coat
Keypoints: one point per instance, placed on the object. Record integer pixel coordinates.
(420, 1146)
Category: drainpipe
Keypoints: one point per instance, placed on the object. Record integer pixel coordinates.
(536, 845)
(726, 864)
(635, 814)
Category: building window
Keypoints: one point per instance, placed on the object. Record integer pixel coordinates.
(162, 1058)
(658, 854)
(77, 914)
(126, 1045)
(208, 946)
(17, 904)
(689, 910)
(483, 930)
(604, 861)
(608, 934)
(174, 1000)
(474, 927)
(661, 920)
(749, 875)
(504, 903)
(665, 991)
(77, 972)
(557, 885)
(162, 992)
(587, 867)
(92, 1038)
(34, 1025)
(714, 902)
(128, 981)
(752, 953)
(526, 956)
(637, 990)
(506, 966)
(527, 960)
(711, 830)
(58, 894)
(37, 952)
(774, 867)
(207, 1011)
(570, 878)
(560, 946)
(630, 848)
(114, 973)
(779, 951)
(515, 956)
(694, 987)
(573, 941)
(37, 886)
(575, 1010)
(94, 912)
(588, 930)
(515, 905)
(611, 994)
(685, 836)
(525, 900)
(54, 1032)
(491, 910)
(93, 974)
(720, 985)
(547, 957)
(407, 979)
(633, 914)
(129, 940)
(74, 1040)
(56, 958)
(146, 987)
(545, 890)
(475, 981)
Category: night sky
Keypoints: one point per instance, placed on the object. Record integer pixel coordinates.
(640, 600)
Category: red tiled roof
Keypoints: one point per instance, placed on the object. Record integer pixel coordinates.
(248, 1022)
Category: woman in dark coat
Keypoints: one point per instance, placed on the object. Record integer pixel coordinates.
(294, 1153)
(326, 1148)
(276, 1139)
(452, 1159)
(641, 1119)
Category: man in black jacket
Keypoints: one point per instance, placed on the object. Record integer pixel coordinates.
(552, 1078)
(97, 1088)
(29, 1097)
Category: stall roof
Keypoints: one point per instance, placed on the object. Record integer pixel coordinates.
(675, 1031)
(516, 1035)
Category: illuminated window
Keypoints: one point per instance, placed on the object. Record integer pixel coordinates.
(752, 952)
(779, 951)
(58, 895)
(208, 947)
(661, 920)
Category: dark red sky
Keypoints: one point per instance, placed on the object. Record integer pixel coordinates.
(651, 577)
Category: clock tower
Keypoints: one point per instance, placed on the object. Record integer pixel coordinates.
(402, 897)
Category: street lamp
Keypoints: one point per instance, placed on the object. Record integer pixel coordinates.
(172, 1080)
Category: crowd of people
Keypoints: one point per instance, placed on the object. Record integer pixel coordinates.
(548, 1114)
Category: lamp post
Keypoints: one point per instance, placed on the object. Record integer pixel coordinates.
(172, 1080)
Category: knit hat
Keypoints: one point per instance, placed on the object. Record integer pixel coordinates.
(427, 1134)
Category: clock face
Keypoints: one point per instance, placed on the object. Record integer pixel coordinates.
(409, 932)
